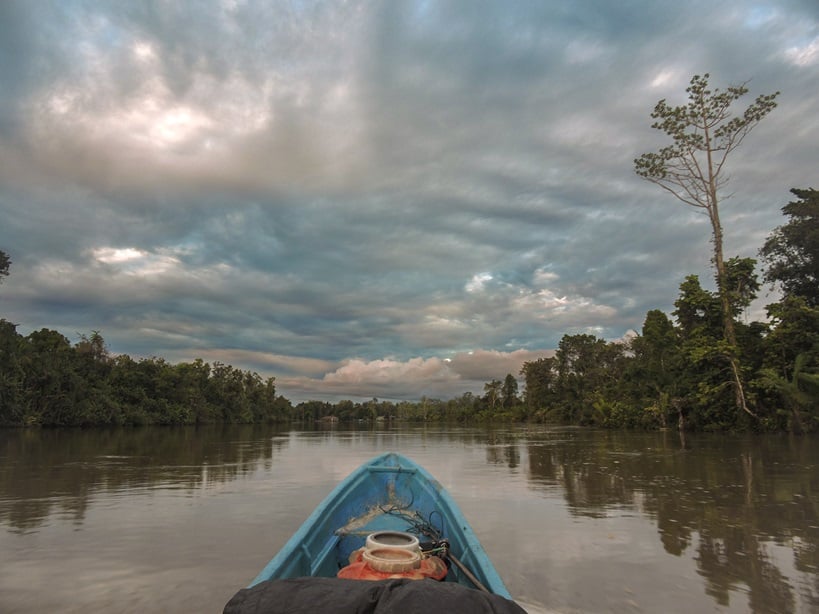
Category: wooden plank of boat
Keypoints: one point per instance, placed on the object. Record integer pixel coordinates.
(388, 493)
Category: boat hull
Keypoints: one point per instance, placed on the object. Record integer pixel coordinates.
(388, 493)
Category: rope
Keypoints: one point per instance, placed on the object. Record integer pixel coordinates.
(424, 526)
(416, 522)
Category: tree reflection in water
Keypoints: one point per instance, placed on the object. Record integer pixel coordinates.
(47, 470)
(743, 511)
(732, 499)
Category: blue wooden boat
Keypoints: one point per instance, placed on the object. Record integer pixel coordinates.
(389, 493)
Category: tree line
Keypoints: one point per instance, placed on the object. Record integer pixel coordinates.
(45, 380)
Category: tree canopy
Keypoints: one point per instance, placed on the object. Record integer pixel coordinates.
(791, 252)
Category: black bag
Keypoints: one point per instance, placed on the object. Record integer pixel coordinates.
(337, 596)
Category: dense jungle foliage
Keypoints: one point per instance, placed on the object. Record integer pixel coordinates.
(675, 373)
(680, 373)
(45, 380)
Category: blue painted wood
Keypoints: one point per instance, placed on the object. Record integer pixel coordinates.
(378, 496)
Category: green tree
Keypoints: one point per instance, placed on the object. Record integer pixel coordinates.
(741, 283)
(50, 379)
(509, 391)
(708, 380)
(697, 310)
(93, 395)
(94, 347)
(794, 331)
(587, 370)
(791, 252)
(800, 394)
(704, 371)
(462, 407)
(704, 133)
(190, 390)
(655, 368)
(791, 348)
(130, 389)
(539, 377)
(493, 393)
(12, 375)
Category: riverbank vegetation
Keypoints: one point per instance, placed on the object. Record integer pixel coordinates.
(47, 381)
(674, 374)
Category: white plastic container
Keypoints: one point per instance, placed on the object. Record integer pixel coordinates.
(392, 539)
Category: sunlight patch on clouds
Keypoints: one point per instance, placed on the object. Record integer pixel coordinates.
(804, 56)
(494, 304)
(478, 282)
(153, 118)
(157, 122)
(143, 52)
(545, 304)
(136, 262)
(168, 127)
(237, 128)
(112, 255)
(542, 300)
(664, 78)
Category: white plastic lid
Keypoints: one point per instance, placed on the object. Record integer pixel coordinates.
(392, 539)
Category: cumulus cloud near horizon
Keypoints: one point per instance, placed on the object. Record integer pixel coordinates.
(411, 379)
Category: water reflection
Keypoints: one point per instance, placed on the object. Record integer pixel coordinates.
(43, 472)
(503, 449)
(740, 513)
(738, 503)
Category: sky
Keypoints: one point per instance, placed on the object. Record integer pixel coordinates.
(381, 199)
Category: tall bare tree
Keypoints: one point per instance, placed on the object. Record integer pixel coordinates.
(704, 132)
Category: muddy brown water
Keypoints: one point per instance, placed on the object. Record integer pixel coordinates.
(178, 519)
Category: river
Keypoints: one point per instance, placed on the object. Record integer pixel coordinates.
(178, 519)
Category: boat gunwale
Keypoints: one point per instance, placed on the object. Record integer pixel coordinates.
(389, 462)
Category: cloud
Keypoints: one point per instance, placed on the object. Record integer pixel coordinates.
(327, 191)
(411, 379)
(805, 54)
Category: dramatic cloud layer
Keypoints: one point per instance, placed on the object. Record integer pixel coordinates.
(369, 198)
